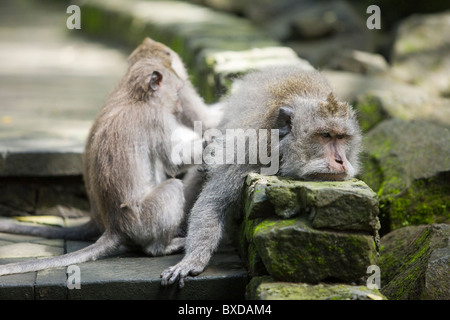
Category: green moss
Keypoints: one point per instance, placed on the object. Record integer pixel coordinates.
(373, 174)
(404, 265)
(267, 289)
(370, 113)
(425, 202)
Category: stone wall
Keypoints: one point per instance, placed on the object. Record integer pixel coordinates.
(308, 232)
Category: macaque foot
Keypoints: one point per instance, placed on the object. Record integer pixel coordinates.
(180, 271)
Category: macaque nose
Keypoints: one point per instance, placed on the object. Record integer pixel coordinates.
(338, 159)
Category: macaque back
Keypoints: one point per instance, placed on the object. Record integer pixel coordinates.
(318, 138)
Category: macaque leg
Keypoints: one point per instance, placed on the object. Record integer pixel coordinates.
(161, 215)
(177, 244)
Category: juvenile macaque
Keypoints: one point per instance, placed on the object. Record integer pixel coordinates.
(136, 201)
(318, 139)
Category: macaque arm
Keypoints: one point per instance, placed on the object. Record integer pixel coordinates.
(195, 109)
(206, 223)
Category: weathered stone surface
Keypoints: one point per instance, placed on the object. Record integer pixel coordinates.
(377, 105)
(359, 62)
(378, 98)
(415, 262)
(195, 32)
(17, 286)
(266, 288)
(421, 52)
(31, 249)
(408, 165)
(17, 198)
(51, 284)
(130, 276)
(225, 65)
(317, 30)
(337, 205)
(139, 278)
(40, 163)
(292, 250)
(62, 196)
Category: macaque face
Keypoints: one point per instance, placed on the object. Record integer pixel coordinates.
(317, 148)
(336, 165)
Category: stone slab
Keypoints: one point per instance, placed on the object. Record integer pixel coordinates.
(265, 288)
(17, 286)
(291, 250)
(139, 278)
(51, 284)
(52, 84)
(129, 276)
(335, 205)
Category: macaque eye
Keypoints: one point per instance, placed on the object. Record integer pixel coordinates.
(341, 136)
(326, 135)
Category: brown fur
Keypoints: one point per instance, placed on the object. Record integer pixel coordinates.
(136, 201)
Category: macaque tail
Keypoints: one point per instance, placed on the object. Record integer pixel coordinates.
(85, 231)
(106, 245)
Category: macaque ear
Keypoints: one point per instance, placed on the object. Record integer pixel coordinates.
(284, 121)
(155, 80)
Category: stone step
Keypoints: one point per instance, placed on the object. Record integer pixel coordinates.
(130, 276)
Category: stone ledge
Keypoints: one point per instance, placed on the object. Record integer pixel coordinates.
(40, 163)
(309, 231)
(266, 288)
(129, 276)
(213, 56)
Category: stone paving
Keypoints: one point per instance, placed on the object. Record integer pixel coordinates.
(129, 276)
(52, 83)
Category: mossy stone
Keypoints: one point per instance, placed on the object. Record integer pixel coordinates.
(408, 166)
(415, 262)
(336, 205)
(292, 250)
(266, 288)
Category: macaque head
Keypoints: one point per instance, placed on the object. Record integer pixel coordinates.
(319, 139)
(159, 53)
(154, 85)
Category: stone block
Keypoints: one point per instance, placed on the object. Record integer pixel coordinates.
(17, 286)
(415, 263)
(40, 163)
(336, 205)
(292, 250)
(265, 288)
(51, 284)
(407, 164)
(196, 33)
(139, 278)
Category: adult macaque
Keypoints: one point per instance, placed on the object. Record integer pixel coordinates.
(319, 139)
(136, 201)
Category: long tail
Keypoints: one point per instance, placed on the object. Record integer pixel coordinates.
(86, 231)
(108, 244)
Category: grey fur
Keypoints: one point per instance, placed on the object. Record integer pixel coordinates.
(299, 104)
(136, 201)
